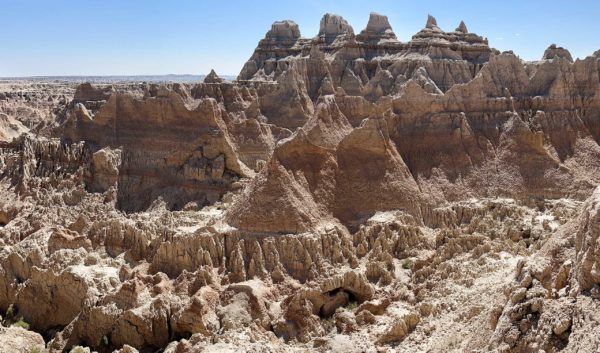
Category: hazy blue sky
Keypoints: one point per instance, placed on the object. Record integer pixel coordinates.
(110, 37)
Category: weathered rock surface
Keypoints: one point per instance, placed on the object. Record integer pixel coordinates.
(10, 128)
(18, 340)
(557, 52)
(193, 160)
(456, 112)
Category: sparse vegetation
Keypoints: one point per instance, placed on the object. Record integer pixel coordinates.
(328, 324)
(10, 312)
(407, 264)
(21, 323)
(352, 305)
(103, 341)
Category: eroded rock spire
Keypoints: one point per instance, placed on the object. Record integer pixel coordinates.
(378, 23)
(431, 22)
(212, 77)
(462, 27)
(333, 26)
(378, 28)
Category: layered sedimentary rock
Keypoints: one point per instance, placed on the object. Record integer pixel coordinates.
(168, 149)
(463, 118)
(378, 29)
(317, 176)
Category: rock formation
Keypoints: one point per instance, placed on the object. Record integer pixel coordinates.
(201, 164)
(347, 193)
(378, 29)
(212, 77)
(10, 128)
(557, 52)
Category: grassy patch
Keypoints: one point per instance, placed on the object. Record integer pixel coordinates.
(22, 324)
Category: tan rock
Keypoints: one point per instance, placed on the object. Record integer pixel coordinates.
(18, 340)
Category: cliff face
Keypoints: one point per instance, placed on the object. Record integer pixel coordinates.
(172, 146)
(463, 119)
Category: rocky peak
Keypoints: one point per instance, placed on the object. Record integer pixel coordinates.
(557, 52)
(284, 31)
(462, 28)
(333, 26)
(378, 23)
(432, 23)
(377, 28)
(212, 77)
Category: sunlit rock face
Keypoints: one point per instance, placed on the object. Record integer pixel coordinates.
(463, 118)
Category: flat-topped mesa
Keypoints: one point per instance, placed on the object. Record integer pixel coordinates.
(285, 33)
(334, 26)
(212, 77)
(557, 52)
(378, 28)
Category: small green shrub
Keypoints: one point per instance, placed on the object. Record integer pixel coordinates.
(22, 324)
(35, 350)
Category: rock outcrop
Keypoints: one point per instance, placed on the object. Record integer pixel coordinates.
(212, 77)
(586, 244)
(10, 128)
(378, 29)
(192, 160)
(456, 111)
(557, 52)
(18, 340)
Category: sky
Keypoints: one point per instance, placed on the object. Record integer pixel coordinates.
(152, 37)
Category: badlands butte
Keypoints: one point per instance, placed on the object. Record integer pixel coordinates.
(350, 192)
